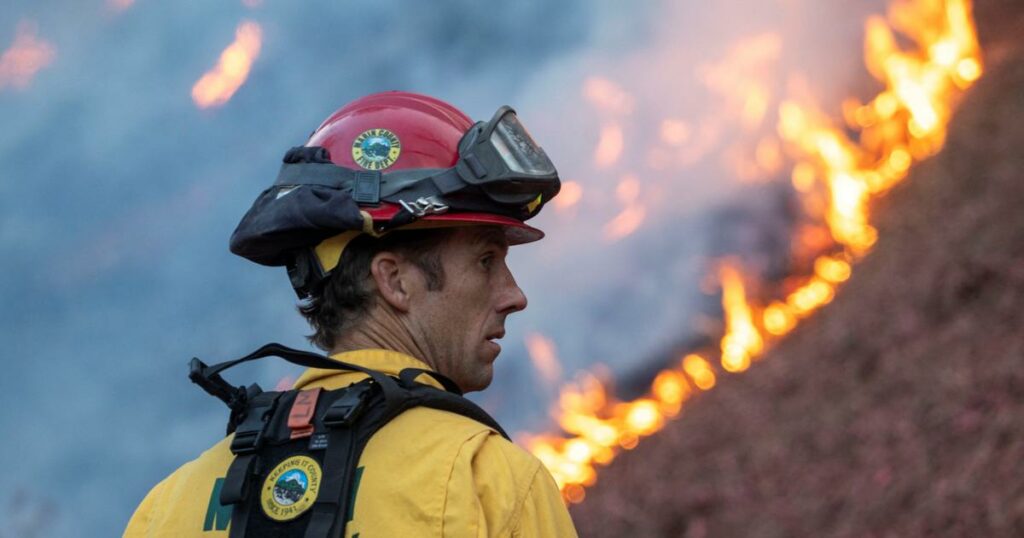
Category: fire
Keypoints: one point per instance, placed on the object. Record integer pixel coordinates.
(218, 85)
(742, 341)
(25, 57)
(836, 174)
(602, 426)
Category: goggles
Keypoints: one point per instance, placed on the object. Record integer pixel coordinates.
(500, 170)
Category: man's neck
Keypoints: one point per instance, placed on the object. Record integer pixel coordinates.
(380, 330)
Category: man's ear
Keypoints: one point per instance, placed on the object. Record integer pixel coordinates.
(391, 274)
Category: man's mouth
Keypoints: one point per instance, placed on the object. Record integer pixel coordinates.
(492, 337)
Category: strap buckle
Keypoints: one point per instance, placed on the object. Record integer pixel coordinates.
(346, 410)
(427, 205)
(249, 434)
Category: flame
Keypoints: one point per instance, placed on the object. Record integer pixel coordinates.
(603, 426)
(25, 57)
(542, 353)
(742, 341)
(836, 176)
(218, 85)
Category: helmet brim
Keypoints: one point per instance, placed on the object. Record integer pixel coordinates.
(516, 232)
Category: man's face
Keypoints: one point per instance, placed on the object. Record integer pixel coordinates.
(459, 323)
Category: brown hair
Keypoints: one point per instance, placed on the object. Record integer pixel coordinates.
(346, 295)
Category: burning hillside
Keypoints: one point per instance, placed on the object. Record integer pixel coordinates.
(923, 54)
(895, 410)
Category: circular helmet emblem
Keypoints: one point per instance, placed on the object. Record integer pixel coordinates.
(291, 488)
(376, 149)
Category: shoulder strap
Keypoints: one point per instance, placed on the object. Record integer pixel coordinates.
(347, 441)
(352, 420)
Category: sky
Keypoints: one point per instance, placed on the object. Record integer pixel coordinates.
(118, 195)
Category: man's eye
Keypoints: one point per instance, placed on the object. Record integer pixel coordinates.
(487, 261)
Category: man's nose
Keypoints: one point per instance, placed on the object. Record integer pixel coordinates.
(512, 297)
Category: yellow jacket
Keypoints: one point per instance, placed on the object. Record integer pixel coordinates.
(426, 473)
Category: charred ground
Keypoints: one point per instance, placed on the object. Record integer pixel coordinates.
(898, 410)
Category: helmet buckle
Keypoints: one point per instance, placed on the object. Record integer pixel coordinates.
(424, 206)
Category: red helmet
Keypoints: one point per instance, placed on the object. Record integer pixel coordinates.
(396, 160)
(398, 130)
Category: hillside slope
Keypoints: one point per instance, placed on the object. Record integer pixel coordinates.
(898, 410)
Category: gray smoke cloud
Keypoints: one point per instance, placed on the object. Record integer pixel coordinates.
(117, 197)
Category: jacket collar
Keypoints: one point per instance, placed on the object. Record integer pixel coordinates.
(383, 360)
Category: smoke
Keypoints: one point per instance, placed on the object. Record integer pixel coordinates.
(117, 196)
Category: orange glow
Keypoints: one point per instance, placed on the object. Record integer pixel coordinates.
(216, 87)
(742, 77)
(836, 175)
(675, 132)
(633, 213)
(607, 96)
(609, 146)
(569, 196)
(25, 57)
(699, 369)
(542, 354)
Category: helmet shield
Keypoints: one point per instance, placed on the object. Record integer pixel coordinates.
(502, 159)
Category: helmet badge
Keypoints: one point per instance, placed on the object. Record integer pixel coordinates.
(376, 149)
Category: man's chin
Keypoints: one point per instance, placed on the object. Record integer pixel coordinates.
(481, 378)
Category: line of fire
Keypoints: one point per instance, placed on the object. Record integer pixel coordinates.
(923, 54)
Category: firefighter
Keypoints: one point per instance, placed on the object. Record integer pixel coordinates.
(393, 221)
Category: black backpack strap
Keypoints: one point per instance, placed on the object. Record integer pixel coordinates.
(210, 380)
(346, 443)
(352, 419)
(408, 379)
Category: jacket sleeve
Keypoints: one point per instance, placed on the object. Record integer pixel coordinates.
(139, 524)
(543, 513)
(497, 489)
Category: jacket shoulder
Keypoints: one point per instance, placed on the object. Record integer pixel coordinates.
(184, 499)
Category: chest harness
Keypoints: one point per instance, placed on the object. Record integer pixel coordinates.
(296, 451)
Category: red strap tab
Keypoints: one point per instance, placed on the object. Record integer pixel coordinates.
(300, 418)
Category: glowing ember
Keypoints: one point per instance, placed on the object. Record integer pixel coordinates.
(25, 57)
(218, 85)
(836, 175)
(542, 353)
